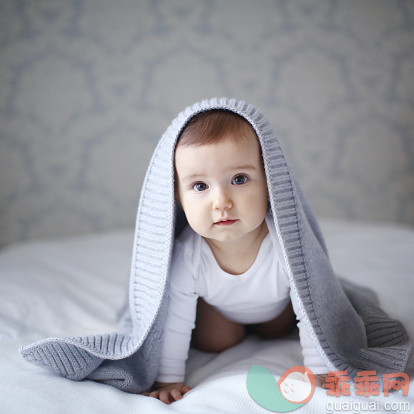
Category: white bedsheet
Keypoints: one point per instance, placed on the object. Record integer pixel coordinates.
(49, 289)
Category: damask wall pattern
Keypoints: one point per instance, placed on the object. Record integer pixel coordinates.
(87, 87)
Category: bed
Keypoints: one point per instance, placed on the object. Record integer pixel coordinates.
(48, 288)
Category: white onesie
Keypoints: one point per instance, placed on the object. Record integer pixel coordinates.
(258, 295)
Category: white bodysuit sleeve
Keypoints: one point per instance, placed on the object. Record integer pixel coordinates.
(180, 318)
(311, 356)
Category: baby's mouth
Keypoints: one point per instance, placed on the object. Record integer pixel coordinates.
(226, 222)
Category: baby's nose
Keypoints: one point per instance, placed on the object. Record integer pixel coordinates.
(222, 200)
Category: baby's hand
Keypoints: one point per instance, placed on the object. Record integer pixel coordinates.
(168, 392)
(320, 380)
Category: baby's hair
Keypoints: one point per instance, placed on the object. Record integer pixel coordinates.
(210, 127)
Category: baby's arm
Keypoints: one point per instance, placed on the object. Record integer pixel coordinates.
(169, 385)
(168, 392)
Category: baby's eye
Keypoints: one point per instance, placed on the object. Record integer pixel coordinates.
(200, 186)
(239, 179)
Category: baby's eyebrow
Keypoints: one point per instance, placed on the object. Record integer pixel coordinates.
(191, 177)
(242, 167)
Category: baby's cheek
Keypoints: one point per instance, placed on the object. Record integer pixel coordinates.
(199, 223)
(256, 205)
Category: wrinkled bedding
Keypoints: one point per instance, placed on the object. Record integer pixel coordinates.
(48, 288)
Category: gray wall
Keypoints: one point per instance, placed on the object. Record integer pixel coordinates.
(88, 87)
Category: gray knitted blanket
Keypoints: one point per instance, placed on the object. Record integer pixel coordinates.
(346, 323)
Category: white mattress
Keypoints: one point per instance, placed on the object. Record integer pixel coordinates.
(49, 289)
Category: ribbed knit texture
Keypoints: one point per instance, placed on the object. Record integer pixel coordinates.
(349, 329)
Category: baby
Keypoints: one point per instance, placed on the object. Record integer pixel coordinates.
(250, 260)
(225, 279)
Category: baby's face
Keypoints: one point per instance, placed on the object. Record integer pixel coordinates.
(222, 181)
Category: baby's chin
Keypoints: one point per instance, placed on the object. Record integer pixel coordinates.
(225, 239)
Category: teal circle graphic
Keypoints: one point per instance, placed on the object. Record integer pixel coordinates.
(264, 390)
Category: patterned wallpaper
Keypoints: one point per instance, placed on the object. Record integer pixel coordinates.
(87, 87)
